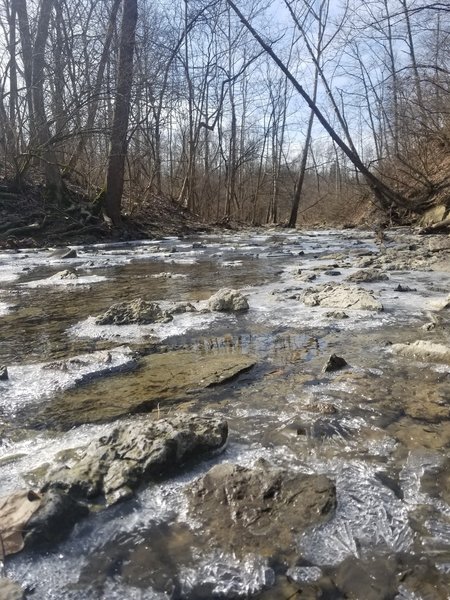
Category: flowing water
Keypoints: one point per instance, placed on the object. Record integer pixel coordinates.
(380, 429)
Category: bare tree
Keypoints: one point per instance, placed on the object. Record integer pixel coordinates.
(118, 148)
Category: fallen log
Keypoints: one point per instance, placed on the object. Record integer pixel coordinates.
(25, 229)
(444, 224)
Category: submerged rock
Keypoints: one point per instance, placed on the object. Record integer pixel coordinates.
(404, 288)
(424, 351)
(116, 464)
(228, 300)
(342, 297)
(159, 380)
(54, 519)
(261, 510)
(3, 373)
(136, 311)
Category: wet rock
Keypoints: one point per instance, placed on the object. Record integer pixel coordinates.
(374, 578)
(367, 276)
(324, 408)
(306, 276)
(134, 311)
(10, 590)
(158, 381)
(112, 467)
(54, 519)
(334, 363)
(332, 273)
(3, 373)
(67, 274)
(336, 314)
(424, 351)
(424, 580)
(404, 288)
(181, 307)
(342, 297)
(323, 429)
(414, 435)
(198, 245)
(168, 275)
(228, 300)
(431, 406)
(261, 510)
(63, 253)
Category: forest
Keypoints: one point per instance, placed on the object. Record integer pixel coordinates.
(291, 112)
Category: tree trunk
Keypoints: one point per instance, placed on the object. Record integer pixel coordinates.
(118, 141)
(301, 176)
(48, 157)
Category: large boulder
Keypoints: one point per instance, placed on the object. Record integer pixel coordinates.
(342, 297)
(116, 464)
(136, 311)
(228, 300)
(260, 510)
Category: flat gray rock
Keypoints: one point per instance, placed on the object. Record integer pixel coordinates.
(344, 297)
(424, 351)
(228, 300)
(112, 467)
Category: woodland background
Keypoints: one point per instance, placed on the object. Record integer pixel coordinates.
(183, 96)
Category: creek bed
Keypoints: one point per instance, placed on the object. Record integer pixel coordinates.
(379, 429)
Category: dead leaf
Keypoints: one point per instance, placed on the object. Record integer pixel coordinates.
(15, 512)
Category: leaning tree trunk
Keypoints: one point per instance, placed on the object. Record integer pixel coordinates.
(119, 142)
(383, 193)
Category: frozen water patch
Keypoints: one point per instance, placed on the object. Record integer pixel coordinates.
(29, 383)
(368, 516)
(9, 273)
(65, 281)
(227, 576)
(417, 464)
(25, 456)
(180, 325)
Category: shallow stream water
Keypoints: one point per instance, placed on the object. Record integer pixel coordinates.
(380, 428)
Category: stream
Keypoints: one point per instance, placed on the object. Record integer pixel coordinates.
(378, 428)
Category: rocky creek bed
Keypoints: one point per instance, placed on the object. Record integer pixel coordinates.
(262, 414)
